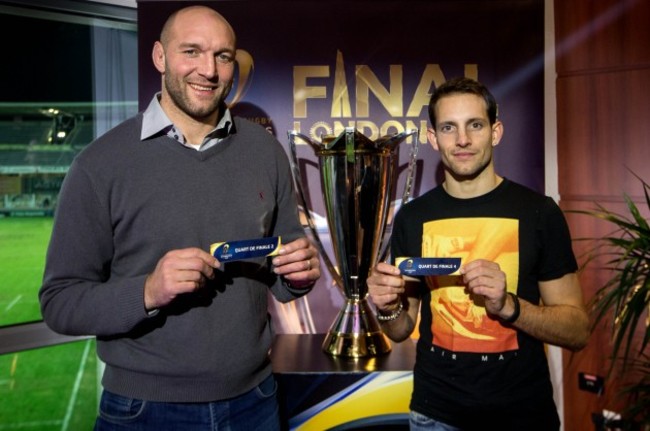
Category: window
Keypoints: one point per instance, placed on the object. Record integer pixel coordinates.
(74, 77)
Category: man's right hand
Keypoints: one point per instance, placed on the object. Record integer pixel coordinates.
(177, 272)
(385, 286)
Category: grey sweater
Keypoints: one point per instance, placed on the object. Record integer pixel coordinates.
(123, 205)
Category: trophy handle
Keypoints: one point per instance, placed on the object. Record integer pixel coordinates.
(408, 188)
(295, 168)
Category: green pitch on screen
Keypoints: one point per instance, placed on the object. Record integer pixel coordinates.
(50, 389)
(23, 244)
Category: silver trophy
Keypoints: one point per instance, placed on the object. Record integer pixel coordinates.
(358, 176)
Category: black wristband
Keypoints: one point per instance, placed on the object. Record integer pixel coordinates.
(515, 315)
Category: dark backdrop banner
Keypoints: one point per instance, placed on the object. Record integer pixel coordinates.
(320, 66)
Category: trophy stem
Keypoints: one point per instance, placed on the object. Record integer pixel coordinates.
(356, 333)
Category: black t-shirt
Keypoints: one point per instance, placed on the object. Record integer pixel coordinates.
(472, 370)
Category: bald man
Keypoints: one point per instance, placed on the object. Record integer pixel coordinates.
(185, 337)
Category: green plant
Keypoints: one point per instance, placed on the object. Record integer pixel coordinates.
(625, 297)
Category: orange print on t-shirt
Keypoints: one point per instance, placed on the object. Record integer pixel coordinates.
(460, 322)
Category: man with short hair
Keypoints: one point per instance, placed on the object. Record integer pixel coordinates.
(481, 361)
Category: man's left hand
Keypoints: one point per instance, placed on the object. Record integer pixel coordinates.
(298, 263)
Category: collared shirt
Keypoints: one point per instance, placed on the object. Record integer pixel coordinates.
(156, 122)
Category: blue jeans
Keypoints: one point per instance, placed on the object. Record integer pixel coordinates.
(420, 422)
(257, 409)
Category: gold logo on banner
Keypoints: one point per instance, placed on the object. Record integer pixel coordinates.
(336, 88)
(245, 65)
(391, 98)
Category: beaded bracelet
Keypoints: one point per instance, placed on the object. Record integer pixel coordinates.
(390, 317)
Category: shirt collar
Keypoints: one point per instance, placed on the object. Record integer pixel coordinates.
(155, 122)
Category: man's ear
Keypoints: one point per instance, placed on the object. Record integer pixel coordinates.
(497, 133)
(433, 140)
(158, 57)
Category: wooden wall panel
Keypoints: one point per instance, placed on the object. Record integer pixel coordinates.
(603, 121)
(601, 34)
(603, 125)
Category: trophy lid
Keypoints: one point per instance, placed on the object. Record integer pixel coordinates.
(351, 137)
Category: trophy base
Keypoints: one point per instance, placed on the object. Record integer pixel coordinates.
(356, 333)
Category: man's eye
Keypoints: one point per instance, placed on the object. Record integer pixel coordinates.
(477, 126)
(446, 129)
(225, 58)
(190, 52)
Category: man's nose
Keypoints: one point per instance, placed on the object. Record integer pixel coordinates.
(462, 137)
(208, 67)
